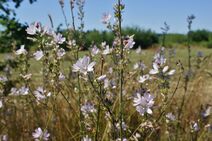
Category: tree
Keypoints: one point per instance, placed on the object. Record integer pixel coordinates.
(200, 35)
(4, 7)
(13, 32)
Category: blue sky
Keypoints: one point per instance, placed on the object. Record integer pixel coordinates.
(142, 13)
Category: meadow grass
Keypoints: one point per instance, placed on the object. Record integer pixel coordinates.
(62, 122)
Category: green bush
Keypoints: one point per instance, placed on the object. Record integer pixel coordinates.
(176, 38)
(13, 36)
(209, 44)
(200, 35)
(92, 37)
(143, 38)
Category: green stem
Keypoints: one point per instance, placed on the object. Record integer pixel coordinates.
(189, 52)
(72, 15)
(99, 104)
(113, 121)
(121, 70)
(79, 104)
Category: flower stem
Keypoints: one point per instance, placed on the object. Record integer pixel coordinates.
(99, 102)
(121, 69)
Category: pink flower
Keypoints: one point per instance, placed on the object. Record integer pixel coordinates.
(106, 18)
(33, 28)
(20, 51)
(38, 55)
(40, 135)
(83, 65)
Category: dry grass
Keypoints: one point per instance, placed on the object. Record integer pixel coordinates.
(60, 116)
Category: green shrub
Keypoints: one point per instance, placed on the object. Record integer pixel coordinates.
(209, 44)
(200, 35)
(93, 36)
(176, 38)
(143, 38)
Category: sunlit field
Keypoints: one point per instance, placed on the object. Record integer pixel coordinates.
(63, 87)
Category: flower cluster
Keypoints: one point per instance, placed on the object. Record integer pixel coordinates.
(41, 94)
(83, 65)
(39, 134)
(143, 102)
(88, 108)
(22, 91)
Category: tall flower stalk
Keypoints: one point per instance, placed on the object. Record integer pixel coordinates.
(61, 2)
(118, 14)
(188, 73)
(80, 4)
(72, 14)
(99, 102)
(189, 20)
(164, 29)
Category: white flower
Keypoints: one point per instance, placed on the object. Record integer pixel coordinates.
(83, 65)
(138, 50)
(101, 78)
(159, 59)
(1, 103)
(155, 69)
(3, 137)
(206, 112)
(143, 78)
(20, 51)
(165, 69)
(40, 93)
(103, 44)
(136, 66)
(95, 50)
(124, 126)
(107, 50)
(33, 28)
(72, 43)
(14, 91)
(86, 138)
(38, 55)
(106, 83)
(60, 53)
(195, 126)
(113, 84)
(23, 91)
(48, 31)
(106, 18)
(3, 79)
(209, 127)
(170, 117)
(110, 70)
(129, 43)
(137, 135)
(61, 77)
(143, 103)
(119, 139)
(58, 38)
(88, 108)
(171, 72)
(139, 65)
(40, 135)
